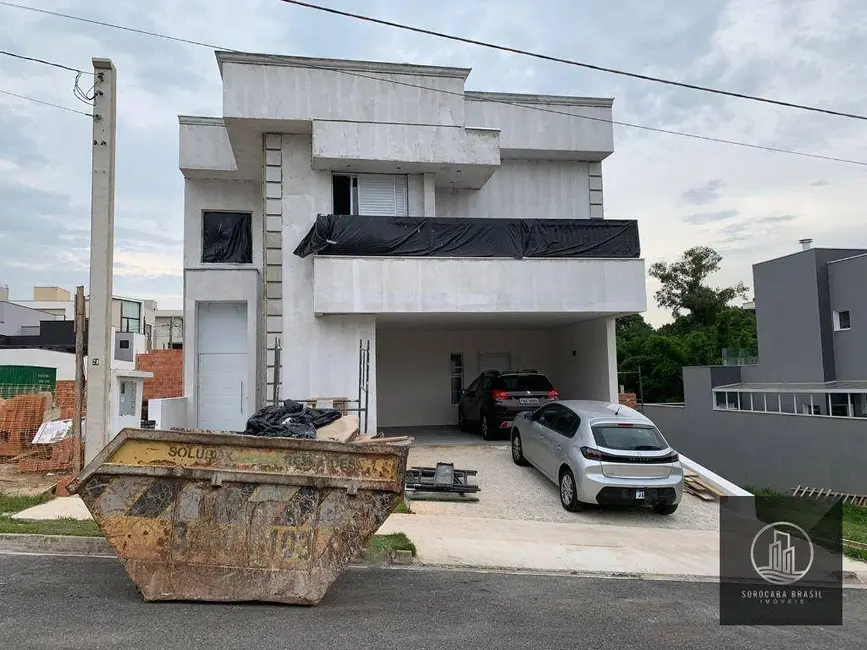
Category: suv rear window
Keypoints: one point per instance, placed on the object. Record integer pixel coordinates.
(522, 382)
(635, 438)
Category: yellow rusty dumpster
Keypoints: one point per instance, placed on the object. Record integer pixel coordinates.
(228, 517)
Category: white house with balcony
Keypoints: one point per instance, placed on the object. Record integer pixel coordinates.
(339, 204)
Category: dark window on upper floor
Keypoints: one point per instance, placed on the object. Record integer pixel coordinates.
(227, 237)
(842, 320)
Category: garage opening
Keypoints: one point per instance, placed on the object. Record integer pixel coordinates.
(426, 365)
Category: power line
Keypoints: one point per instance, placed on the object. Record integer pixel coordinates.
(39, 101)
(277, 57)
(579, 64)
(43, 62)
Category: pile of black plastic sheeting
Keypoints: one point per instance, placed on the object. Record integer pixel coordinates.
(289, 420)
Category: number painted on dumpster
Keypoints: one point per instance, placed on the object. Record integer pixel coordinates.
(290, 544)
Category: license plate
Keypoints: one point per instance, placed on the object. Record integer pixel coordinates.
(529, 400)
(639, 494)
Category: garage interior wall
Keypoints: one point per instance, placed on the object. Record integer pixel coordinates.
(584, 360)
(413, 368)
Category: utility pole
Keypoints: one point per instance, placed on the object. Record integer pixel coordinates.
(80, 323)
(99, 343)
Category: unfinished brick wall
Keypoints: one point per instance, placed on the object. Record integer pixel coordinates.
(64, 399)
(168, 369)
(629, 399)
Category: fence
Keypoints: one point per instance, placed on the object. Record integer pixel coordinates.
(22, 413)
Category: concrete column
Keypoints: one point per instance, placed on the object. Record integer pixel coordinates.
(429, 196)
(594, 173)
(273, 195)
(99, 343)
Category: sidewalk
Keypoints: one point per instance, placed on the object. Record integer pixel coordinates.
(547, 546)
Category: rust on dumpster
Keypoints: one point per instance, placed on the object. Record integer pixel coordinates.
(226, 517)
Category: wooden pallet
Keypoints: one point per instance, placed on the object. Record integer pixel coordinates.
(826, 494)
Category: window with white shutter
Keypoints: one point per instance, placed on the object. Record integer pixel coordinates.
(382, 195)
(378, 195)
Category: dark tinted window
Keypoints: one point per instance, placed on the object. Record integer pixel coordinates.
(522, 382)
(566, 422)
(547, 416)
(628, 438)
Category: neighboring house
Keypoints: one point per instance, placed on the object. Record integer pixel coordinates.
(168, 329)
(798, 417)
(128, 314)
(340, 204)
(16, 320)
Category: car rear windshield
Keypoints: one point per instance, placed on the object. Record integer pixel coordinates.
(522, 382)
(628, 438)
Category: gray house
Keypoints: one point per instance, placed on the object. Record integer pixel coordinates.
(798, 416)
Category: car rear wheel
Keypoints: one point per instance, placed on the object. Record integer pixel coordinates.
(518, 449)
(568, 491)
(486, 428)
(665, 508)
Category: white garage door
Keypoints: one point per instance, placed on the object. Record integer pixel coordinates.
(222, 366)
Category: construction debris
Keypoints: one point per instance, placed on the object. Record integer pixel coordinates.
(343, 430)
(829, 494)
(441, 480)
(695, 486)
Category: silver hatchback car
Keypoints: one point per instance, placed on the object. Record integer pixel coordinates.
(602, 453)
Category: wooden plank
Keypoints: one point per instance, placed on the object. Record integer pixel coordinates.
(343, 430)
(367, 441)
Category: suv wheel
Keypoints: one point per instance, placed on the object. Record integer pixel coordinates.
(517, 449)
(665, 508)
(487, 431)
(569, 491)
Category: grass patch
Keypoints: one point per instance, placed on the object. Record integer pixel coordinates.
(65, 526)
(854, 522)
(383, 545)
(402, 508)
(10, 504)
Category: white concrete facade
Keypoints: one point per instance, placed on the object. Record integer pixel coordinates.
(289, 125)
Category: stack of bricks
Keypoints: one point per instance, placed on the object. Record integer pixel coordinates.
(167, 367)
(628, 399)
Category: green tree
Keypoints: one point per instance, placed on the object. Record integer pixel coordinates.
(684, 287)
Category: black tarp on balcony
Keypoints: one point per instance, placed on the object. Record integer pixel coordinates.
(364, 236)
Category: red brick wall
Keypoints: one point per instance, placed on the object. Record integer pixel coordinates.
(64, 397)
(168, 369)
(628, 399)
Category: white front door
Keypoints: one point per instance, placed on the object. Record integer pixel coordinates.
(222, 366)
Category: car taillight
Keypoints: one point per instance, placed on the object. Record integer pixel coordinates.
(553, 394)
(591, 454)
(673, 457)
(500, 395)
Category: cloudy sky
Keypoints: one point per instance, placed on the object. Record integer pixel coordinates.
(749, 205)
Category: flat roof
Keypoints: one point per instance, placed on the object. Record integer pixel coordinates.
(796, 387)
(224, 56)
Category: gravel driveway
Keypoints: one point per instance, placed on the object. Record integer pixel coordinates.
(512, 492)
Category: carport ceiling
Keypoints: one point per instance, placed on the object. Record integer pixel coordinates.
(477, 321)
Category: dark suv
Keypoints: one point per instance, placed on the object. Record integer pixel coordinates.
(493, 400)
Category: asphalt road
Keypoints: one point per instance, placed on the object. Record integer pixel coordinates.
(59, 603)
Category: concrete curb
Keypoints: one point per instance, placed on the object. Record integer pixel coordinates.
(851, 579)
(99, 547)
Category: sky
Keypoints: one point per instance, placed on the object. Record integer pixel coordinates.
(749, 205)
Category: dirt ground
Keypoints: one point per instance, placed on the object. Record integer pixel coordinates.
(30, 484)
(512, 492)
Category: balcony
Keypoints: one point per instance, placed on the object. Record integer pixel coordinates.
(413, 265)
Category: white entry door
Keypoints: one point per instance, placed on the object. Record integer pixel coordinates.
(222, 366)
